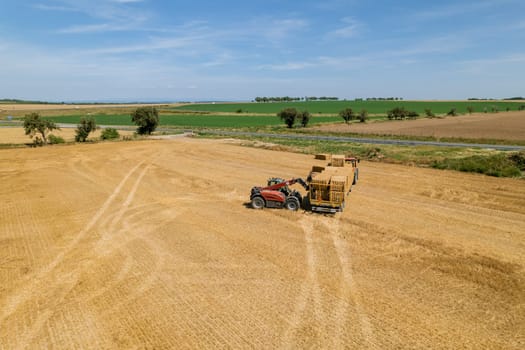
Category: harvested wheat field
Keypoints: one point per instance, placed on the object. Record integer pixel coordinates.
(496, 126)
(150, 245)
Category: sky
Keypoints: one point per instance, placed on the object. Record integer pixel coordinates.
(159, 50)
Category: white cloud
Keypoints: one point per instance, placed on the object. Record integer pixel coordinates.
(279, 29)
(287, 66)
(350, 28)
(93, 28)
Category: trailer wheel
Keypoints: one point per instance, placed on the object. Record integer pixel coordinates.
(292, 203)
(258, 203)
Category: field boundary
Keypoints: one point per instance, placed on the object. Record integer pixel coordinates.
(367, 140)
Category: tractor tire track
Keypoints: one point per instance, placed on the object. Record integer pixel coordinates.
(310, 289)
(66, 283)
(348, 288)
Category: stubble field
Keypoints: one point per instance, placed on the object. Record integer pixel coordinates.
(150, 245)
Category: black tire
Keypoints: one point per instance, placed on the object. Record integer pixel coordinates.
(292, 203)
(258, 203)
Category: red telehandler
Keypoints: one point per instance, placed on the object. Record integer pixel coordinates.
(277, 194)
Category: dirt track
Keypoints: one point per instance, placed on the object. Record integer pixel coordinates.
(497, 126)
(149, 245)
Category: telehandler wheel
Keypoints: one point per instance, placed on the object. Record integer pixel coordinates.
(292, 203)
(258, 203)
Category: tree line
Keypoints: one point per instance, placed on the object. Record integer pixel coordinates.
(39, 129)
(294, 99)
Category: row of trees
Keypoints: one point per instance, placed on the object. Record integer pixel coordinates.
(348, 114)
(39, 129)
(292, 99)
(290, 115)
(384, 99)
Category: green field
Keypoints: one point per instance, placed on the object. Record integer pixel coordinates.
(373, 107)
(193, 121)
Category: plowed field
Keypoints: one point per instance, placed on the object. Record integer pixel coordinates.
(499, 126)
(150, 245)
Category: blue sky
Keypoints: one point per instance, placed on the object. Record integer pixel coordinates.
(79, 50)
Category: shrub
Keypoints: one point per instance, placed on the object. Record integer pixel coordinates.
(470, 109)
(412, 114)
(363, 115)
(429, 113)
(52, 139)
(452, 112)
(109, 134)
(518, 159)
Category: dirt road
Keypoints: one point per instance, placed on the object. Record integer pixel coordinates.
(150, 245)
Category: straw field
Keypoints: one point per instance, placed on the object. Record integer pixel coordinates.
(150, 244)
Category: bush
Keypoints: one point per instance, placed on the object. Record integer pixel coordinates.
(52, 139)
(429, 113)
(452, 112)
(146, 118)
(412, 114)
(109, 134)
(518, 159)
(470, 109)
(363, 115)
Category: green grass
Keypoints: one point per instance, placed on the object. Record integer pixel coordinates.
(373, 107)
(488, 162)
(499, 165)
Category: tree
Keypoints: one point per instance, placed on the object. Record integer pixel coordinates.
(34, 125)
(363, 115)
(86, 126)
(146, 118)
(288, 115)
(305, 118)
(347, 114)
